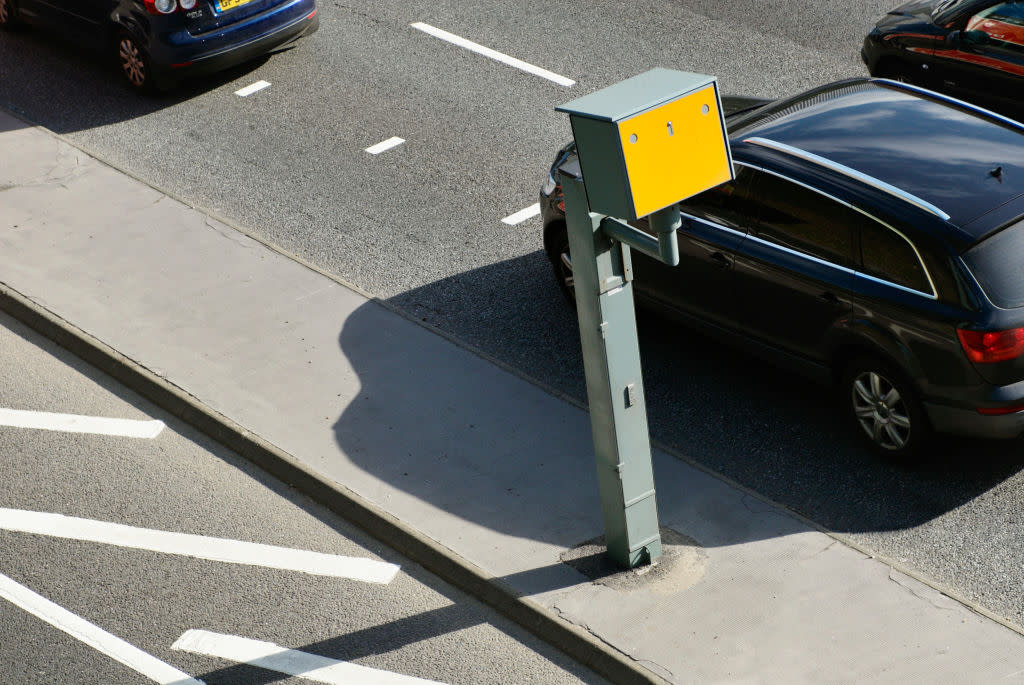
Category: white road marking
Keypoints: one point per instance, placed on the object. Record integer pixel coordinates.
(522, 215)
(493, 54)
(289, 661)
(249, 90)
(92, 635)
(71, 423)
(198, 546)
(385, 145)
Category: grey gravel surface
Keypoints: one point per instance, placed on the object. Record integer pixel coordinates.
(420, 225)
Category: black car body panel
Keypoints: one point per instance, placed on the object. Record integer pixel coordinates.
(843, 236)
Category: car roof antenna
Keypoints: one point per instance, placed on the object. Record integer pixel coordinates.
(997, 173)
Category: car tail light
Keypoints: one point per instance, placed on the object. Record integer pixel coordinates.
(168, 6)
(1001, 411)
(986, 347)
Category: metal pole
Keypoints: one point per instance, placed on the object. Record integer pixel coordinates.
(602, 274)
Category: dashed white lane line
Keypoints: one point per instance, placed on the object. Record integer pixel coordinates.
(198, 546)
(249, 90)
(493, 54)
(72, 423)
(92, 635)
(522, 215)
(289, 661)
(380, 147)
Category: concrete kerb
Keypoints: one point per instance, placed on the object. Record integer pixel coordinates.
(579, 644)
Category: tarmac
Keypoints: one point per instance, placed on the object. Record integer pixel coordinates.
(469, 468)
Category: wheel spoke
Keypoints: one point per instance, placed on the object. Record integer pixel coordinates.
(876, 432)
(864, 412)
(862, 390)
(900, 420)
(876, 386)
(892, 398)
(896, 439)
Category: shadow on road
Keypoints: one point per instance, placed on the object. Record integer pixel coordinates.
(64, 87)
(450, 436)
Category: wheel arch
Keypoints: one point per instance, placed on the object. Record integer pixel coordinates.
(865, 339)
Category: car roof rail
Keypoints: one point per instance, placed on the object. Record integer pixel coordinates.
(852, 173)
(951, 100)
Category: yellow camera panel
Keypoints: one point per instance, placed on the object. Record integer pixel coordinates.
(674, 151)
(650, 141)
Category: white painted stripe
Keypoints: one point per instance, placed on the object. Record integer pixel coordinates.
(522, 215)
(385, 145)
(92, 635)
(198, 546)
(493, 54)
(71, 423)
(289, 661)
(249, 90)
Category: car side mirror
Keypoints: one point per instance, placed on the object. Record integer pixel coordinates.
(953, 39)
(974, 37)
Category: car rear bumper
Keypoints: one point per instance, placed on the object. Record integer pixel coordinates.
(215, 53)
(970, 422)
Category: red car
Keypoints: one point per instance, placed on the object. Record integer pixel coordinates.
(970, 49)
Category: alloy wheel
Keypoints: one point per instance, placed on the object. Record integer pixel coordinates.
(133, 64)
(880, 410)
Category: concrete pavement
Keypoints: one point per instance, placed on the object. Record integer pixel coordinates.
(471, 469)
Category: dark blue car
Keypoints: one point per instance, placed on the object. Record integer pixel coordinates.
(873, 239)
(159, 42)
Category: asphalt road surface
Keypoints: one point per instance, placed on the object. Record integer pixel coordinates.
(364, 608)
(421, 224)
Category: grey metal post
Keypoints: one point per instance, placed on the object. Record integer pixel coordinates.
(602, 274)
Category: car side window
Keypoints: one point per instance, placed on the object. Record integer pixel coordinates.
(887, 255)
(728, 204)
(1004, 24)
(804, 220)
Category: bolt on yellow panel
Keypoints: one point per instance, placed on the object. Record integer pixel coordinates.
(675, 151)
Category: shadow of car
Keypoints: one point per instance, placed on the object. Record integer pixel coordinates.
(157, 43)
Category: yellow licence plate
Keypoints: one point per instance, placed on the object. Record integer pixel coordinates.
(224, 5)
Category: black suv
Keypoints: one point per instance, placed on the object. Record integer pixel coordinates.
(873, 238)
(972, 49)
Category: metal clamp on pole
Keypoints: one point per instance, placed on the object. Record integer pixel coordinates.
(664, 223)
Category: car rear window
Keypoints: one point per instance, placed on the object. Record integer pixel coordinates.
(997, 263)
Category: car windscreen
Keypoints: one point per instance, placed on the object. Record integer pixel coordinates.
(997, 265)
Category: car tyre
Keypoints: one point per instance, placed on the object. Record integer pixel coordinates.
(561, 262)
(8, 15)
(884, 409)
(135, 65)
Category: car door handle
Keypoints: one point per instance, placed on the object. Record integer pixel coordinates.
(721, 260)
(829, 297)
